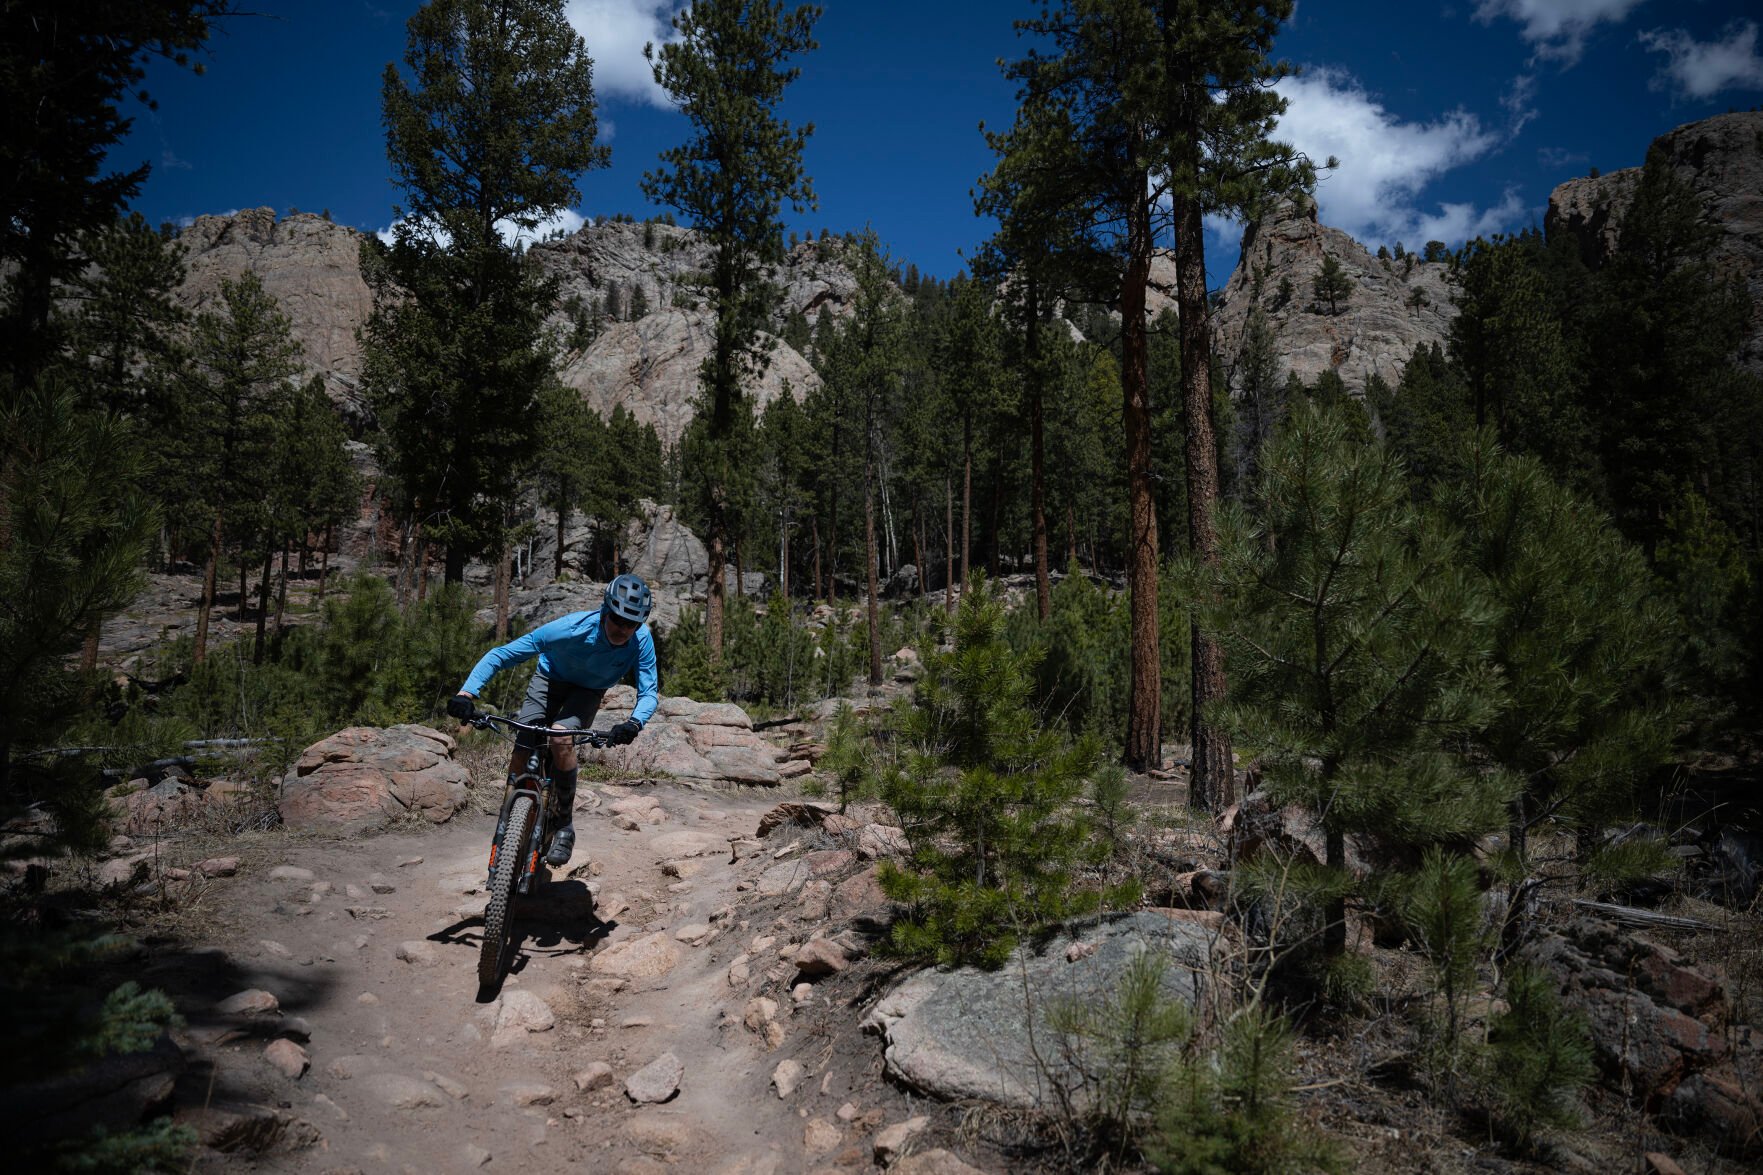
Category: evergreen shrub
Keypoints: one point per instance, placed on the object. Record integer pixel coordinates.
(987, 794)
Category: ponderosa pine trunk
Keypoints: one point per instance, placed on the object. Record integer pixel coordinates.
(814, 536)
(949, 547)
(1144, 736)
(263, 605)
(503, 582)
(1037, 461)
(966, 501)
(209, 575)
(871, 573)
(1213, 777)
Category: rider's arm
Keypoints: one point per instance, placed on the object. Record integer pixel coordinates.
(513, 653)
(648, 679)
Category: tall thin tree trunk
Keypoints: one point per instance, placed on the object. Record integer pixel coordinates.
(994, 567)
(966, 500)
(814, 530)
(89, 648)
(740, 571)
(783, 557)
(918, 551)
(1071, 537)
(424, 556)
(244, 590)
(1144, 709)
(502, 585)
(1037, 456)
(324, 559)
(562, 525)
(1213, 786)
(948, 547)
(713, 608)
(209, 574)
(281, 592)
(870, 559)
(262, 604)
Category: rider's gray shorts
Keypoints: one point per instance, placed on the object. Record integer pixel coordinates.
(557, 703)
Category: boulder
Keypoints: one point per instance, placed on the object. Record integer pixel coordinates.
(364, 777)
(658, 1081)
(965, 1033)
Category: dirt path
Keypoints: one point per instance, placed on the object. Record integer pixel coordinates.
(373, 944)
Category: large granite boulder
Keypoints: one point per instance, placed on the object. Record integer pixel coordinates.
(364, 777)
(966, 1033)
(706, 742)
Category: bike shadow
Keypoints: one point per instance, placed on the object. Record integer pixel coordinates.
(556, 918)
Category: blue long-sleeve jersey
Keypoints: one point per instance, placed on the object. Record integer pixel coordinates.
(574, 649)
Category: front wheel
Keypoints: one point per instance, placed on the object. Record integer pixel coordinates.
(502, 879)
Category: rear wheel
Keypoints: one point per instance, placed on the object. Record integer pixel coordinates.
(496, 914)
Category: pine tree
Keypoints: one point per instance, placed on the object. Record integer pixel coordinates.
(1508, 339)
(1332, 285)
(488, 133)
(986, 795)
(1580, 638)
(244, 358)
(572, 442)
(1260, 391)
(65, 69)
(1359, 644)
(1139, 109)
(725, 73)
(74, 529)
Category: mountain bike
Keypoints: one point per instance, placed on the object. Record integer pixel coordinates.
(531, 814)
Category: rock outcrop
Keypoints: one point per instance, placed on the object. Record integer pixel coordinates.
(651, 367)
(313, 270)
(986, 1034)
(363, 778)
(1722, 160)
(1392, 309)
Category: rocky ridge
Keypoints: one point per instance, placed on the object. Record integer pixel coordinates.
(313, 269)
(311, 266)
(1393, 309)
(1722, 160)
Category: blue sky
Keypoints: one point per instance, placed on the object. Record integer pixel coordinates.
(1449, 120)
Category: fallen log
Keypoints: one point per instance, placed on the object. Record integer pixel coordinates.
(1641, 919)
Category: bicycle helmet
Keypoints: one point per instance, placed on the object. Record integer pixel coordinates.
(627, 598)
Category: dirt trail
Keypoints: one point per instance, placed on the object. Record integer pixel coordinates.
(377, 953)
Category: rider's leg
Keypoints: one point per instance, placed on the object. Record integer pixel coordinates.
(576, 712)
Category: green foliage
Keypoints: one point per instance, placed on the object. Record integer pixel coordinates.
(1442, 909)
(129, 1022)
(845, 758)
(1357, 644)
(1580, 638)
(1538, 1058)
(1127, 1048)
(685, 662)
(75, 526)
(986, 795)
(1716, 593)
(159, 1146)
(1231, 1115)
(770, 659)
(490, 129)
(1332, 285)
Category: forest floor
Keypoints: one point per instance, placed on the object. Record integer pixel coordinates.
(370, 946)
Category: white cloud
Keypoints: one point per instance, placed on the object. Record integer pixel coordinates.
(1701, 69)
(1557, 29)
(562, 224)
(616, 31)
(1384, 162)
(1520, 102)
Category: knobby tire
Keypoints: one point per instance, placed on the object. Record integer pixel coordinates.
(515, 845)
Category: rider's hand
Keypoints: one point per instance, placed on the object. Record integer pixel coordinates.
(626, 731)
(460, 706)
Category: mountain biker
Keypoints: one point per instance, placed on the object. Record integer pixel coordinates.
(581, 656)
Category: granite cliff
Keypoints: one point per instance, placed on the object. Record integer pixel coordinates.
(649, 364)
(1391, 309)
(1722, 160)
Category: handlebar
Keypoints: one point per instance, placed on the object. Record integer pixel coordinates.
(483, 720)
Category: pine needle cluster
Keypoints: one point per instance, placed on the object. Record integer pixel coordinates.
(987, 794)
